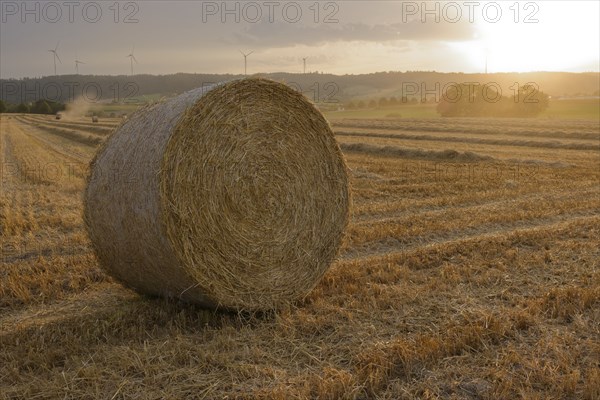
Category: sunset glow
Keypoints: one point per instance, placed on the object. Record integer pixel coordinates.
(564, 38)
(349, 37)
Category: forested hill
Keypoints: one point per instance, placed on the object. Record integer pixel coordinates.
(64, 88)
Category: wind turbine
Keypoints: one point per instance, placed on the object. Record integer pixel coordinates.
(55, 56)
(132, 59)
(246, 61)
(77, 62)
(304, 60)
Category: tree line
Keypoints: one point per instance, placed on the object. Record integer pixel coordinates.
(460, 100)
(343, 88)
(381, 102)
(39, 107)
(468, 100)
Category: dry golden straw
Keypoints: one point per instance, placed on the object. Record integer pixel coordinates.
(234, 196)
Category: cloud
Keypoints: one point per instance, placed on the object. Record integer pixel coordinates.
(282, 34)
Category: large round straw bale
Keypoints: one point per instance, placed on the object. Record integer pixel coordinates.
(235, 196)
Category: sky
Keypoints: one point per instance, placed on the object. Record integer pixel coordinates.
(340, 37)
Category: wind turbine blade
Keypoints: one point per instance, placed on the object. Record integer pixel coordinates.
(250, 53)
(57, 43)
(56, 54)
(134, 59)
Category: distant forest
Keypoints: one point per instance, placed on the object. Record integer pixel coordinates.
(319, 87)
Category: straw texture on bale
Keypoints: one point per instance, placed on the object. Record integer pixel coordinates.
(233, 196)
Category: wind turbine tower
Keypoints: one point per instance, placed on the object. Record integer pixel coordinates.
(55, 56)
(132, 59)
(486, 60)
(77, 62)
(246, 61)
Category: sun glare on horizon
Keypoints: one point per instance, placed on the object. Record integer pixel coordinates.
(549, 36)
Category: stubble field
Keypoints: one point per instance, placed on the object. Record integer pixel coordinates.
(470, 270)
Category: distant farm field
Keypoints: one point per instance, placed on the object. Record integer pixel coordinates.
(470, 270)
(574, 109)
(568, 109)
(395, 112)
(558, 109)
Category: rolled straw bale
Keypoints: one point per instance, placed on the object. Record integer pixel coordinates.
(233, 196)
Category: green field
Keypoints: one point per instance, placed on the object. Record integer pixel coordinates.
(128, 106)
(118, 108)
(573, 109)
(588, 109)
(404, 111)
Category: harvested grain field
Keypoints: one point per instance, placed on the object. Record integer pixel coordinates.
(470, 269)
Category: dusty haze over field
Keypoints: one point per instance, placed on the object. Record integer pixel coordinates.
(337, 37)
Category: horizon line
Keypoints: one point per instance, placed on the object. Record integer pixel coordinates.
(309, 73)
